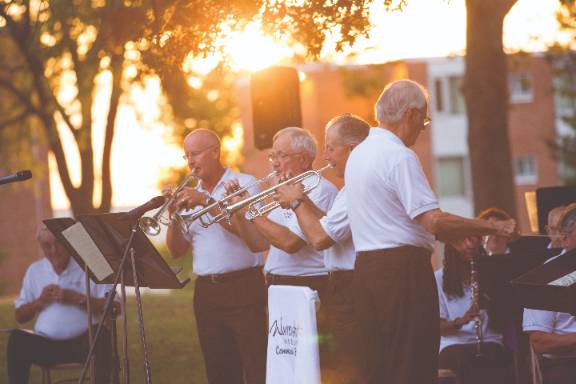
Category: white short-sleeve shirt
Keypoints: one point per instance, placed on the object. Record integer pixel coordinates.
(306, 261)
(452, 308)
(59, 321)
(340, 256)
(386, 190)
(549, 322)
(216, 250)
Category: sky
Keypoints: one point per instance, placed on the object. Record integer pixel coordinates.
(426, 28)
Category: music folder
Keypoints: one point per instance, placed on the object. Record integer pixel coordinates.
(98, 241)
(551, 286)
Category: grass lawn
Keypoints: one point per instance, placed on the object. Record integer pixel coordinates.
(170, 331)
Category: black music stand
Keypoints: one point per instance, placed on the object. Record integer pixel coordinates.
(114, 236)
(535, 291)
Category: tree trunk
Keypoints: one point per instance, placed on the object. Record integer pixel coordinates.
(486, 93)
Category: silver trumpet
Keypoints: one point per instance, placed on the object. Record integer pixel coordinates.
(252, 202)
(151, 224)
(475, 288)
(221, 206)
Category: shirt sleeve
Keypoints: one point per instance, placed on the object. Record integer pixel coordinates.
(336, 224)
(27, 292)
(441, 297)
(323, 197)
(538, 320)
(411, 187)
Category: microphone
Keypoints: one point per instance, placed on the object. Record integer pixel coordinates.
(18, 176)
(155, 202)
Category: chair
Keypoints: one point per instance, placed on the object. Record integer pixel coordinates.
(48, 369)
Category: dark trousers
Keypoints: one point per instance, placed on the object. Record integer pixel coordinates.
(558, 371)
(25, 349)
(494, 366)
(231, 321)
(344, 341)
(397, 307)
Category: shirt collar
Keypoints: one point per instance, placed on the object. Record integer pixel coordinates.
(384, 132)
(225, 177)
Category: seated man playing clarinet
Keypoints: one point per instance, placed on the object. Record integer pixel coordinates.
(469, 344)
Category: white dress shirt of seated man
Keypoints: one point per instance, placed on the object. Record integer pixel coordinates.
(553, 334)
(293, 152)
(58, 300)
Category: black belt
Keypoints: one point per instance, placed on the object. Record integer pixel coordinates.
(341, 274)
(228, 276)
(270, 278)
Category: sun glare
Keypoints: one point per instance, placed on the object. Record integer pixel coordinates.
(252, 50)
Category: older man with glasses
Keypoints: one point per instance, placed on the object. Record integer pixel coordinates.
(291, 259)
(230, 295)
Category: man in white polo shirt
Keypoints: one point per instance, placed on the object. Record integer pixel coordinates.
(394, 216)
(331, 232)
(291, 260)
(230, 295)
(53, 292)
(553, 334)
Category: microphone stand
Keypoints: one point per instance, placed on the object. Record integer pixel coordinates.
(119, 275)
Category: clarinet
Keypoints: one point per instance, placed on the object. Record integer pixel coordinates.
(475, 288)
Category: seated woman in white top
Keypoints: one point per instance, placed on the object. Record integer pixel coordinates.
(460, 342)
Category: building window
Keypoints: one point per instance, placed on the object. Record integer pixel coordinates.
(455, 96)
(520, 85)
(450, 177)
(438, 93)
(526, 170)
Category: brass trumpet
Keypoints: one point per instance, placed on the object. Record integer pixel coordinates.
(252, 202)
(204, 215)
(151, 224)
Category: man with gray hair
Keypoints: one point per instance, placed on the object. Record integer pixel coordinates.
(291, 260)
(331, 232)
(394, 217)
(553, 334)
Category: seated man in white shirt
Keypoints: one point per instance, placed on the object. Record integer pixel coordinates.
(553, 334)
(53, 291)
(460, 342)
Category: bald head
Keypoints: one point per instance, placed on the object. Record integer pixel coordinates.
(203, 137)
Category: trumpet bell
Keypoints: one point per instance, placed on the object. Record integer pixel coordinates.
(149, 226)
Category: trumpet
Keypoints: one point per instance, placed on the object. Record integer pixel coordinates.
(204, 215)
(151, 224)
(252, 201)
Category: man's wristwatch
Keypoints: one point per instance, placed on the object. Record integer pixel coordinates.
(295, 204)
(208, 199)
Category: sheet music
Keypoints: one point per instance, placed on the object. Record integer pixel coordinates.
(565, 281)
(83, 244)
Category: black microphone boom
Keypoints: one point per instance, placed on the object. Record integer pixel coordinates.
(18, 176)
(155, 202)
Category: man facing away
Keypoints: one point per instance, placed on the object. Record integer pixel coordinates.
(394, 217)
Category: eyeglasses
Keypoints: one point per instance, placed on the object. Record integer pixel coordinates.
(280, 156)
(191, 155)
(427, 122)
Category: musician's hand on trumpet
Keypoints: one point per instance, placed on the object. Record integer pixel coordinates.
(189, 198)
(288, 193)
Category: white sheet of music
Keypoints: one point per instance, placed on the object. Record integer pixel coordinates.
(565, 281)
(83, 244)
